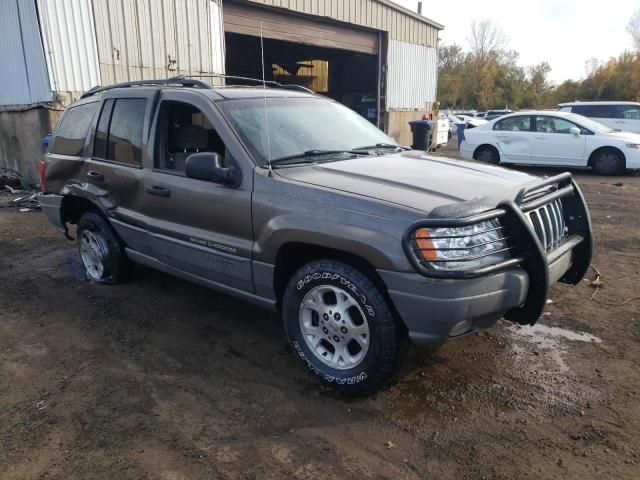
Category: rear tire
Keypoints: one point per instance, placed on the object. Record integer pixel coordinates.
(608, 162)
(487, 154)
(101, 252)
(341, 327)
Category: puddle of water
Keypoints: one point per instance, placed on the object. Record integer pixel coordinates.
(550, 340)
(548, 336)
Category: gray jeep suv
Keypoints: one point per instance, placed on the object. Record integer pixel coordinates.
(298, 204)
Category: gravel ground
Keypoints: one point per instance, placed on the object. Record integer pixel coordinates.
(162, 379)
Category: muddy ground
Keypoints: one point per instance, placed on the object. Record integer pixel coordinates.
(163, 379)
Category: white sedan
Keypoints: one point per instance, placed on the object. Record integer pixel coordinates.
(553, 138)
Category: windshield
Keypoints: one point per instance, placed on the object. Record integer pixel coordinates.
(589, 123)
(298, 125)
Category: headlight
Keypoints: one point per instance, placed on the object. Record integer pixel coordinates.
(461, 248)
(633, 145)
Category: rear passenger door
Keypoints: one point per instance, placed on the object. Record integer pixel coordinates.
(513, 138)
(114, 170)
(199, 227)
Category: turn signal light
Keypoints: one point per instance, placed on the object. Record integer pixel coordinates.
(425, 244)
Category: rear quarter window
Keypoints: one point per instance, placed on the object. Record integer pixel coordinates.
(71, 134)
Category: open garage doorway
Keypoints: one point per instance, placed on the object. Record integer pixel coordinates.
(350, 78)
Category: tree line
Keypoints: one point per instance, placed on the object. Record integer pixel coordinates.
(488, 75)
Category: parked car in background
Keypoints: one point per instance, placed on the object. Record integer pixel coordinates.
(553, 138)
(619, 115)
(493, 114)
(298, 204)
(469, 121)
(480, 114)
(475, 122)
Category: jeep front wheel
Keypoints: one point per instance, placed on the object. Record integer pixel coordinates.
(340, 326)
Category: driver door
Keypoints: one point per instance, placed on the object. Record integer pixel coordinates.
(198, 227)
(554, 144)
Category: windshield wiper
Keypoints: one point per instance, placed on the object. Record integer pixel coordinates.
(309, 156)
(379, 146)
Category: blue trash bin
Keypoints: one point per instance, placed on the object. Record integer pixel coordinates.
(461, 126)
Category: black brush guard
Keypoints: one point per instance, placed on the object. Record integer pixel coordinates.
(527, 250)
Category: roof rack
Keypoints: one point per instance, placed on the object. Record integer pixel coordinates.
(190, 81)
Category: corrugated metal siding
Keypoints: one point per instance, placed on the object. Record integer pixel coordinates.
(70, 44)
(376, 14)
(411, 76)
(143, 39)
(23, 75)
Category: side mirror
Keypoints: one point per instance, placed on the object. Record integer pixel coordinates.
(575, 131)
(207, 166)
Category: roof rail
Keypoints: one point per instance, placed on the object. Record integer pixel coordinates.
(271, 83)
(293, 86)
(179, 80)
(190, 81)
(234, 77)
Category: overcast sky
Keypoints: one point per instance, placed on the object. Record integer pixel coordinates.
(564, 33)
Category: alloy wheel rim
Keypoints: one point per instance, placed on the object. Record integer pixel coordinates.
(93, 251)
(334, 327)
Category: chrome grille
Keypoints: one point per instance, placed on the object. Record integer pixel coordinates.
(548, 223)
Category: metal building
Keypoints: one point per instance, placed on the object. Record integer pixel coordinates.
(372, 55)
(381, 58)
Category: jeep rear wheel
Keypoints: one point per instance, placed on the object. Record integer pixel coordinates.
(340, 326)
(101, 252)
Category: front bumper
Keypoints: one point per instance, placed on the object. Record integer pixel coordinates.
(52, 207)
(437, 305)
(633, 158)
(434, 310)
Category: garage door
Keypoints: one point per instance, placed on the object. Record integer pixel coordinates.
(279, 25)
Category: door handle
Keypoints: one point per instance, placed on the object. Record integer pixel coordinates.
(159, 191)
(95, 176)
(540, 138)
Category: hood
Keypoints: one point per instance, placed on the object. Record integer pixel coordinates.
(414, 179)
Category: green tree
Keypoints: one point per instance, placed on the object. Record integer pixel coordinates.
(489, 75)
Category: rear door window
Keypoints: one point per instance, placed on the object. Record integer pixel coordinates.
(72, 132)
(119, 132)
(514, 124)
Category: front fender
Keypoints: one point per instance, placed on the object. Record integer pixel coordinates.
(381, 249)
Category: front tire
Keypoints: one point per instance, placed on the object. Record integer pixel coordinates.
(101, 251)
(608, 162)
(341, 327)
(488, 154)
